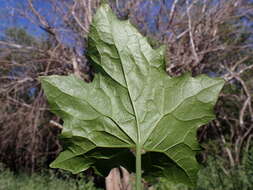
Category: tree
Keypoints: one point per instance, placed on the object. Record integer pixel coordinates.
(210, 36)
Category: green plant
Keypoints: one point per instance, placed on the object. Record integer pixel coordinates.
(132, 105)
(47, 181)
(215, 176)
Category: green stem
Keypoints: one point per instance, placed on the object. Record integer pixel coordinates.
(138, 167)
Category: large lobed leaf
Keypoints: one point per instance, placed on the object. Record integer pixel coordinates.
(131, 101)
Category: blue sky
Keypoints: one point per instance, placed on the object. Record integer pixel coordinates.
(7, 7)
(151, 7)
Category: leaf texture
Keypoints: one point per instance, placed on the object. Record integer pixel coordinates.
(131, 101)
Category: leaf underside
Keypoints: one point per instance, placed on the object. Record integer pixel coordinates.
(131, 101)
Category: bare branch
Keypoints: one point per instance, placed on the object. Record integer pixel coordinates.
(17, 46)
(76, 67)
(246, 103)
(191, 30)
(172, 11)
(223, 140)
(37, 14)
(77, 19)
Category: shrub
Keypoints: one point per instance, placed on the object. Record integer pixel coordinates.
(216, 177)
(49, 181)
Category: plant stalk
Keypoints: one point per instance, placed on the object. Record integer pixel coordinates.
(138, 167)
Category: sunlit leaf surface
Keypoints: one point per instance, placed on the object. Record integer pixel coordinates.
(131, 101)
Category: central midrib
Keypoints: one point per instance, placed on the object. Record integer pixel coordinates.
(138, 143)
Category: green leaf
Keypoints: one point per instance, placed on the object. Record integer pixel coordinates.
(131, 103)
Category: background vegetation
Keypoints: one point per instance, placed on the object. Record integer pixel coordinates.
(44, 37)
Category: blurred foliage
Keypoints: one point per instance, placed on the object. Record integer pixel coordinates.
(19, 36)
(216, 176)
(46, 181)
